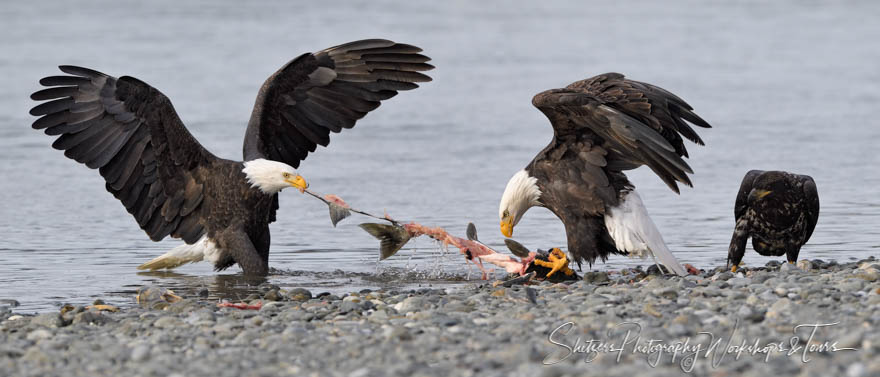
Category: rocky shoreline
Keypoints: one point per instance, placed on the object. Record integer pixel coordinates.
(814, 319)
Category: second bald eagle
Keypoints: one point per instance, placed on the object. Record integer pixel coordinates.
(603, 126)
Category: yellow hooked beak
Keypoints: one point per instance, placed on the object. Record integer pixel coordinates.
(763, 193)
(299, 182)
(507, 226)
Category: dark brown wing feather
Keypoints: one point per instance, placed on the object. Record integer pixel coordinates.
(812, 196)
(639, 123)
(665, 112)
(130, 132)
(742, 196)
(327, 91)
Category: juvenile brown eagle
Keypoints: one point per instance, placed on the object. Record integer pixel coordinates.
(778, 210)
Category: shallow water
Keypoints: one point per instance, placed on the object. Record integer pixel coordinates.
(787, 85)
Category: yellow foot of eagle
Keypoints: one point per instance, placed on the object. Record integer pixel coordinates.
(557, 262)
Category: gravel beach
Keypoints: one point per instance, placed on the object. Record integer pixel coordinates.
(814, 319)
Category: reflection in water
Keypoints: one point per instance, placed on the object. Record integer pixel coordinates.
(234, 287)
(237, 287)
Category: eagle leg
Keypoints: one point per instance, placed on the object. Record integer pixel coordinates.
(738, 244)
(791, 254)
(237, 244)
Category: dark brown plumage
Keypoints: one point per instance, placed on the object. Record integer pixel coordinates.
(603, 126)
(172, 185)
(778, 210)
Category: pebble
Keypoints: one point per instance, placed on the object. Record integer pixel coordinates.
(868, 274)
(669, 293)
(410, 304)
(140, 353)
(398, 333)
(39, 334)
(596, 277)
(90, 318)
(805, 265)
(788, 267)
(48, 320)
(350, 306)
(202, 318)
(273, 295)
(168, 322)
(299, 294)
(739, 282)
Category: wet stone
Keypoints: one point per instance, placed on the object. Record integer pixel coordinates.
(668, 293)
(273, 295)
(788, 267)
(202, 317)
(140, 353)
(252, 297)
(39, 334)
(869, 274)
(739, 282)
(805, 265)
(410, 304)
(398, 333)
(168, 322)
(299, 294)
(596, 277)
(349, 306)
(48, 320)
(90, 318)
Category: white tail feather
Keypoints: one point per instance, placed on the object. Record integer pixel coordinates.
(634, 232)
(203, 249)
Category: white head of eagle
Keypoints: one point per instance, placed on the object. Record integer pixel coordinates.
(521, 194)
(272, 176)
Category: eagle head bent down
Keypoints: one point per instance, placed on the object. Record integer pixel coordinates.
(522, 193)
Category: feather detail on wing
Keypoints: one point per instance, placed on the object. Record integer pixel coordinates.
(639, 124)
(318, 93)
(130, 132)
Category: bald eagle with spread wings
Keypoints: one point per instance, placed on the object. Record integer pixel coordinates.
(174, 187)
(603, 126)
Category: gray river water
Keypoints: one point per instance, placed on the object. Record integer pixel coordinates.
(791, 85)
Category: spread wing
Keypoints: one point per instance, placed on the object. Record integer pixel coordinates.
(742, 196)
(130, 132)
(640, 124)
(812, 196)
(327, 91)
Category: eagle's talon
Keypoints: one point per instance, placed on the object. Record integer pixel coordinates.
(557, 261)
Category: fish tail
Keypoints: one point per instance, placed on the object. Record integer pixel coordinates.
(391, 237)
